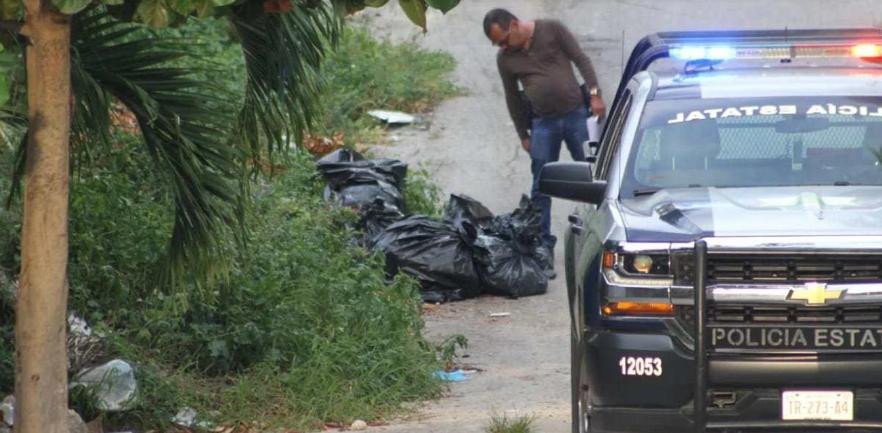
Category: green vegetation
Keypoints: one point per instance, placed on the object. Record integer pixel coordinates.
(504, 424)
(367, 74)
(447, 349)
(421, 195)
(298, 326)
(303, 329)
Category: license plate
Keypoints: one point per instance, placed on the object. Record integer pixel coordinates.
(817, 405)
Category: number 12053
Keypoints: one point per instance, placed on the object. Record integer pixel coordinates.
(637, 366)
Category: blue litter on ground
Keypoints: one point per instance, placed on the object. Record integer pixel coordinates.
(451, 376)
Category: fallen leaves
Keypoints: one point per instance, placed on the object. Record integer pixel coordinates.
(319, 145)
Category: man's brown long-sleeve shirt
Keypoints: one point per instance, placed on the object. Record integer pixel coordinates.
(546, 73)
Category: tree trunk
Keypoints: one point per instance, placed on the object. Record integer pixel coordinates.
(41, 311)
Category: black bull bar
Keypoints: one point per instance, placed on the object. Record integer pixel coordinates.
(701, 361)
(702, 364)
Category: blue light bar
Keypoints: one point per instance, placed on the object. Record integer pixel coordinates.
(716, 52)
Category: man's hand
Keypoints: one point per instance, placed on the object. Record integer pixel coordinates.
(598, 108)
(525, 143)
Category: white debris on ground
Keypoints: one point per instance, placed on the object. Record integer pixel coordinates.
(78, 326)
(188, 417)
(393, 117)
(113, 384)
(84, 347)
(7, 412)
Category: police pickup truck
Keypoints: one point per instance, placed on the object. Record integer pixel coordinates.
(724, 267)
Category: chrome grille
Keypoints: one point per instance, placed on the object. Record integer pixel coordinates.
(741, 268)
(784, 314)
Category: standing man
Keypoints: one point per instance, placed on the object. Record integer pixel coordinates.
(540, 55)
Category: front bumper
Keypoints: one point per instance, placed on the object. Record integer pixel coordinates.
(664, 403)
(758, 410)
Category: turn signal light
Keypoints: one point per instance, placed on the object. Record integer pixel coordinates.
(637, 309)
(609, 259)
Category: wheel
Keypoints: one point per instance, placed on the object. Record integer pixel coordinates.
(579, 385)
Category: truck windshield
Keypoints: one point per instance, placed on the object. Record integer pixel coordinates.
(750, 142)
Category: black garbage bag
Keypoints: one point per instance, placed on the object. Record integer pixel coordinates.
(439, 295)
(341, 155)
(392, 167)
(359, 195)
(524, 224)
(545, 256)
(438, 254)
(342, 173)
(355, 182)
(374, 218)
(463, 207)
(508, 268)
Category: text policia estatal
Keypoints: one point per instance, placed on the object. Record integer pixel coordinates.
(773, 110)
(797, 338)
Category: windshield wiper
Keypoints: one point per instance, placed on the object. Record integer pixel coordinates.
(650, 191)
(645, 191)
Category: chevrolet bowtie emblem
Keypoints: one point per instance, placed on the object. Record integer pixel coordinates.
(815, 294)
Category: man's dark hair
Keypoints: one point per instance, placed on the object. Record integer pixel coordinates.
(500, 17)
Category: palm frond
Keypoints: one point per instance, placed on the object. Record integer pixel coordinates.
(283, 53)
(183, 121)
(18, 167)
(14, 113)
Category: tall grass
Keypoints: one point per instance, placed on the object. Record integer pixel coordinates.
(366, 74)
(304, 330)
(504, 424)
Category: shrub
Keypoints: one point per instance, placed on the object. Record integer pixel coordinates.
(304, 315)
(120, 220)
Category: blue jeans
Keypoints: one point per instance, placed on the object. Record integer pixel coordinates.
(545, 138)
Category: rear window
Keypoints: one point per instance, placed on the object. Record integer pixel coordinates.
(756, 142)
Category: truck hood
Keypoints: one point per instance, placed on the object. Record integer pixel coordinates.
(681, 215)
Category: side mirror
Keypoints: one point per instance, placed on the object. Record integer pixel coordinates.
(571, 181)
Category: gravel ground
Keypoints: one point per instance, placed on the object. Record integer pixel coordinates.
(469, 146)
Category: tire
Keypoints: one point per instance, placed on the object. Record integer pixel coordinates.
(578, 384)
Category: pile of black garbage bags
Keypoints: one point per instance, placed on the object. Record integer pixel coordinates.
(467, 253)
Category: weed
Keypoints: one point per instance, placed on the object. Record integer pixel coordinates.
(421, 194)
(366, 74)
(447, 349)
(84, 401)
(504, 424)
(7, 357)
(304, 330)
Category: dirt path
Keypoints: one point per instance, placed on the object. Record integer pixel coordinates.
(470, 147)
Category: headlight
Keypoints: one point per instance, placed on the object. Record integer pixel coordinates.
(638, 264)
(642, 263)
(635, 268)
(638, 278)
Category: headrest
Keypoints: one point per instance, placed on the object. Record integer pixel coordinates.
(873, 136)
(695, 139)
